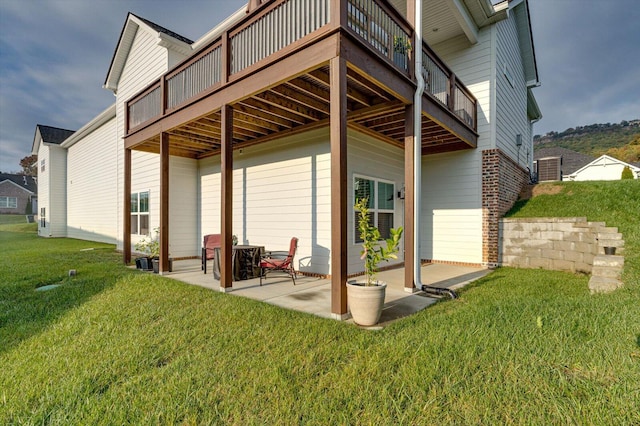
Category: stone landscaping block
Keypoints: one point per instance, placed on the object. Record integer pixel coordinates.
(551, 235)
(563, 265)
(552, 254)
(563, 245)
(603, 284)
(609, 236)
(584, 268)
(606, 271)
(537, 262)
(603, 260)
(584, 247)
(574, 256)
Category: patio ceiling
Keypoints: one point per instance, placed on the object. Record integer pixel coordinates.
(300, 104)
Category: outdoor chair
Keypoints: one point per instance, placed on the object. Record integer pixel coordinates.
(279, 261)
(210, 242)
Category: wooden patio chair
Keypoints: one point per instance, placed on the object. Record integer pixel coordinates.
(209, 243)
(279, 261)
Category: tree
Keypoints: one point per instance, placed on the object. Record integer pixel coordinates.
(29, 165)
(626, 173)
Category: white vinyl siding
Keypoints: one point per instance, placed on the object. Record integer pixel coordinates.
(146, 62)
(451, 206)
(367, 157)
(92, 206)
(473, 65)
(511, 96)
(183, 207)
(281, 190)
(43, 192)
(52, 187)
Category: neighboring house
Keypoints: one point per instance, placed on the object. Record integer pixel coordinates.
(270, 125)
(18, 194)
(52, 172)
(604, 168)
(551, 164)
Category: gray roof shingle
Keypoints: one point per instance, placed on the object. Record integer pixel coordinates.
(571, 160)
(28, 182)
(54, 134)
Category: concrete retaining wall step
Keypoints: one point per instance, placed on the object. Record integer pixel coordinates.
(603, 284)
(609, 236)
(604, 260)
(607, 271)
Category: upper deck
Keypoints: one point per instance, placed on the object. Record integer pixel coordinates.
(272, 67)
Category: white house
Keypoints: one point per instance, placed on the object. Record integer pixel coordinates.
(52, 176)
(271, 124)
(604, 168)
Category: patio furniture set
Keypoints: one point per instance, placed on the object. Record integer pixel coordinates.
(249, 261)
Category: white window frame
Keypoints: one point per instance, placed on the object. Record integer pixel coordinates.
(375, 210)
(138, 213)
(6, 204)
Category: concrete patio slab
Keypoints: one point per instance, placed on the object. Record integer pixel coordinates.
(313, 295)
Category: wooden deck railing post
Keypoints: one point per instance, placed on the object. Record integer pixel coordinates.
(225, 58)
(451, 93)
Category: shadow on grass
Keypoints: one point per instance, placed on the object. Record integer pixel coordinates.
(519, 205)
(29, 263)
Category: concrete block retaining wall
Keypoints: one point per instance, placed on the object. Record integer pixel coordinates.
(563, 244)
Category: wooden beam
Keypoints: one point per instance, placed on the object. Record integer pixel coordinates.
(164, 202)
(226, 202)
(126, 213)
(338, 137)
(409, 198)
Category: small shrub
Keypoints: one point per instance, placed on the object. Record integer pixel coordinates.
(626, 173)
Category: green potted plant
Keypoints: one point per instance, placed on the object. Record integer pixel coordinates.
(401, 49)
(367, 299)
(151, 246)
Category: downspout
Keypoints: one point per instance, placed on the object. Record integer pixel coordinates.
(417, 160)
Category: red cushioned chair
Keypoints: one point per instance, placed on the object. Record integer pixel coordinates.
(209, 243)
(279, 261)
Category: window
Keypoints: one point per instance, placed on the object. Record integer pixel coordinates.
(9, 202)
(42, 165)
(381, 203)
(43, 221)
(140, 213)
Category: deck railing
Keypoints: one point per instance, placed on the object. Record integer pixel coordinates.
(259, 37)
(445, 86)
(270, 32)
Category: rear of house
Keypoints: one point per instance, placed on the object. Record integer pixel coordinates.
(279, 138)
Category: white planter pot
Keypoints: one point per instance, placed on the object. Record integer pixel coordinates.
(366, 302)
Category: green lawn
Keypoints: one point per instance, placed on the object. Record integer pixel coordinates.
(12, 218)
(115, 346)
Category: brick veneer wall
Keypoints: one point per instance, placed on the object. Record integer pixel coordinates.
(502, 181)
(8, 189)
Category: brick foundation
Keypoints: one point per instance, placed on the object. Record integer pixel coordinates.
(502, 181)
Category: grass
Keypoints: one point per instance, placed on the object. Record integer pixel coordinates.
(114, 346)
(12, 218)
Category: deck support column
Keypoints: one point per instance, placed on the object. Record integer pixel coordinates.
(409, 199)
(226, 172)
(338, 136)
(164, 202)
(126, 213)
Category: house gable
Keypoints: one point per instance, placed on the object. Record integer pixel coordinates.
(165, 38)
(603, 168)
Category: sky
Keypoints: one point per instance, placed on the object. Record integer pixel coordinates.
(55, 54)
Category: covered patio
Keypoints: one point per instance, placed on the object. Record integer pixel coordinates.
(313, 295)
(350, 70)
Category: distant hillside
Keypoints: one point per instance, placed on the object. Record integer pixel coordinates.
(596, 139)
